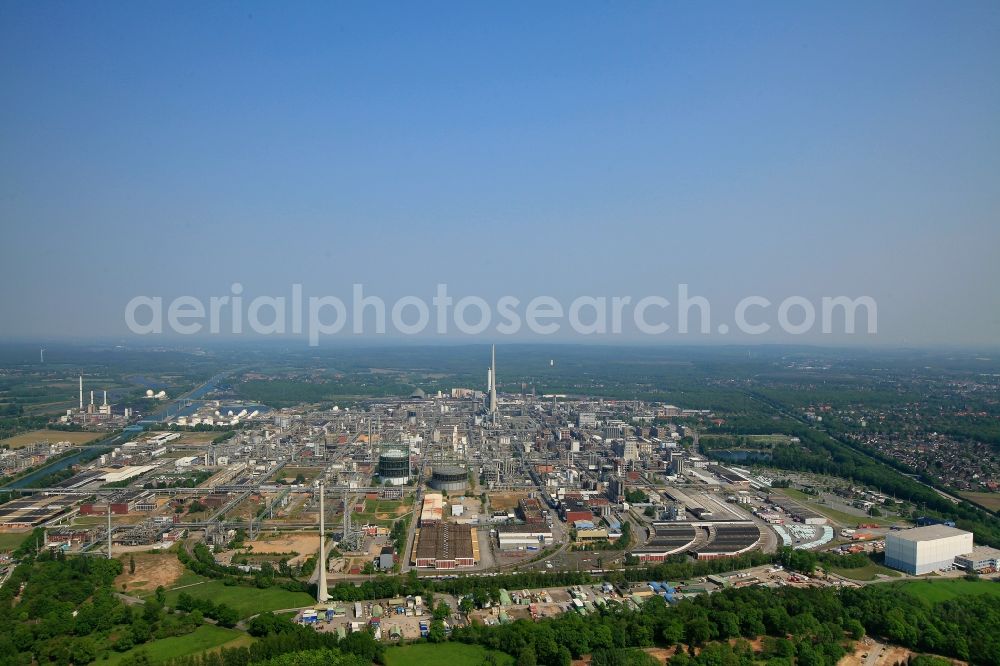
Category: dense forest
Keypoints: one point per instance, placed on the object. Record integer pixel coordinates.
(811, 626)
(63, 610)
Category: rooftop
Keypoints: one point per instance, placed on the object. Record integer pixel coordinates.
(928, 533)
(984, 553)
(443, 541)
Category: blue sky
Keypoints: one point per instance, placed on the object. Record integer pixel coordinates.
(507, 148)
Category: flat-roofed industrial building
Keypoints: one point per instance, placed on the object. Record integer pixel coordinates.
(442, 545)
(728, 540)
(26, 512)
(925, 549)
(432, 509)
(982, 559)
(522, 537)
(667, 539)
(704, 540)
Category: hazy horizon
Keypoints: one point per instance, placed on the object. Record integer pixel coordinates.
(565, 150)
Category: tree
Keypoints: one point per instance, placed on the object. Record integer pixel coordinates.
(139, 658)
(527, 657)
(466, 605)
(141, 631)
(728, 624)
(636, 496)
(151, 611)
(124, 642)
(226, 616)
(442, 611)
(364, 645)
(266, 624)
(698, 631)
(436, 633)
(673, 630)
(131, 564)
(680, 659)
(321, 657)
(84, 650)
(855, 629)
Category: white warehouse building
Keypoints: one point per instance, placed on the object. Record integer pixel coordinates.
(522, 537)
(925, 549)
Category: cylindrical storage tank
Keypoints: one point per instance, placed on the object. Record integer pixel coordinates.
(449, 478)
(394, 466)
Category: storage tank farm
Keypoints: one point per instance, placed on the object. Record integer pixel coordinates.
(394, 464)
(449, 477)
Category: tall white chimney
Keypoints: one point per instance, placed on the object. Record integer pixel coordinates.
(322, 594)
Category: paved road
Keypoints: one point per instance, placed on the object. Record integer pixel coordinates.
(129, 599)
(404, 557)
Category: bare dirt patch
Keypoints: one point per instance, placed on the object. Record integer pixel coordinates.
(662, 655)
(505, 501)
(151, 571)
(890, 655)
(304, 544)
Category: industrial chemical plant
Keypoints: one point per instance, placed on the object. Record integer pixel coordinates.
(469, 480)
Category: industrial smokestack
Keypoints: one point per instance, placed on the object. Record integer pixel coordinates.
(81, 393)
(105, 397)
(322, 594)
(493, 381)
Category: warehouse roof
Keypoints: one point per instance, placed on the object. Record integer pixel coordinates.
(927, 533)
(445, 541)
(978, 553)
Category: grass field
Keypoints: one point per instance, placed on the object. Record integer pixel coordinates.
(189, 578)
(990, 500)
(381, 512)
(453, 654)
(53, 436)
(246, 600)
(840, 517)
(196, 438)
(868, 572)
(11, 540)
(290, 473)
(942, 590)
(205, 637)
(757, 440)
